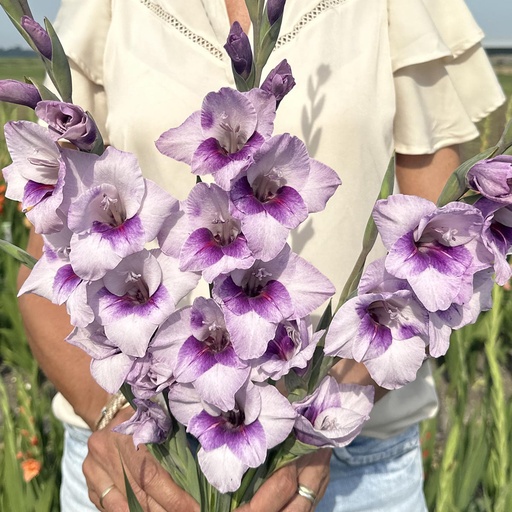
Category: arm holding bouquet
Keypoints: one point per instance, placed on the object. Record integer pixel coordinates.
(216, 361)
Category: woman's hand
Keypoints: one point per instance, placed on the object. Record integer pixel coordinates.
(279, 492)
(153, 486)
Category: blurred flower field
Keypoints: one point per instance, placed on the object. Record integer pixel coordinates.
(467, 448)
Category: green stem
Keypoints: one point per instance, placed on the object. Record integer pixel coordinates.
(258, 66)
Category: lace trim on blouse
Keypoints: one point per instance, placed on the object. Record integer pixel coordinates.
(306, 19)
(182, 29)
(213, 49)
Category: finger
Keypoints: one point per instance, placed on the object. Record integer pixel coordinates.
(155, 489)
(275, 493)
(102, 467)
(113, 501)
(313, 474)
(98, 480)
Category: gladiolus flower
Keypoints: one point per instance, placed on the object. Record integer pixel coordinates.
(31, 468)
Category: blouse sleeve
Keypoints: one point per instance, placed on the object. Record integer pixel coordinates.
(83, 28)
(444, 82)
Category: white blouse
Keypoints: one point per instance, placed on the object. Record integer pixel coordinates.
(372, 76)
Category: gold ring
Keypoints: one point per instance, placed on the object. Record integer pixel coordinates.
(307, 493)
(104, 493)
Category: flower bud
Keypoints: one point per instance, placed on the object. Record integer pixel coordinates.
(20, 93)
(239, 50)
(275, 10)
(68, 121)
(279, 81)
(39, 36)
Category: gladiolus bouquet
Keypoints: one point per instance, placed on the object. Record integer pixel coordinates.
(202, 377)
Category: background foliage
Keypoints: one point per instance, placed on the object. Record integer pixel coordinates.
(467, 448)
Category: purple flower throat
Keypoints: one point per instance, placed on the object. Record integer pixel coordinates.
(234, 139)
(266, 187)
(234, 420)
(225, 231)
(109, 205)
(218, 341)
(256, 282)
(139, 291)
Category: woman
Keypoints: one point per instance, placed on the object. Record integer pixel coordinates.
(373, 76)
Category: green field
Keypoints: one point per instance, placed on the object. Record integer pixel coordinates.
(467, 448)
(19, 68)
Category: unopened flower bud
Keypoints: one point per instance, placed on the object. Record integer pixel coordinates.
(239, 50)
(20, 93)
(39, 36)
(279, 81)
(68, 121)
(275, 10)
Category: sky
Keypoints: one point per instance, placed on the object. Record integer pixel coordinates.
(494, 16)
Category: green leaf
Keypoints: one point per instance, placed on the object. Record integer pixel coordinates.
(18, 253)
(326, 317)
(45, 93)
(99, 145)
(505, 142)
(16, 8)
(291, 449)
(133, 502)
(59, 70)
(244, 84)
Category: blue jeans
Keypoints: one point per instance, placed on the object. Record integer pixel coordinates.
(369, 475)
(375, 475)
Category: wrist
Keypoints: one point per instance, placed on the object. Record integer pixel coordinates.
(348, 371)
(110, 410)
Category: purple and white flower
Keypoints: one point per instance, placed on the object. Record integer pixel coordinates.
(149, 424)
(109, 366)
(115, 211)
(437, 250)
(216, 244)
(456, 316)
(235, 440)
(256, 300)
(198, 347)
(334, 414)
(497, 236)
(292, 347)
(36, 175)
(53, 277)
(280, 188)
(137, 296)
(385, 327)
(221, 138)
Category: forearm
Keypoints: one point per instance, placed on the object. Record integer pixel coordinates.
(426, 175)
(67, 366)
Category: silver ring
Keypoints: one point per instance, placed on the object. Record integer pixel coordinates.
(307, 493)
(104, 493)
